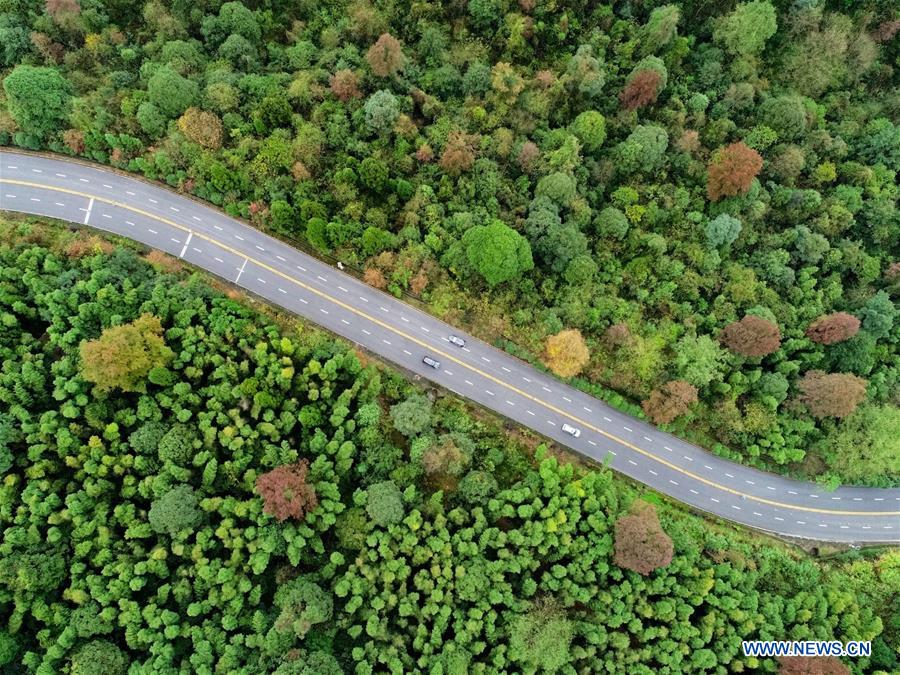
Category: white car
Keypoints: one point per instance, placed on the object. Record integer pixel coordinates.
(572, 431)
(458, 341)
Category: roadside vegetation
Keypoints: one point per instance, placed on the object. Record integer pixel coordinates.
(700, 197)
(191, 483)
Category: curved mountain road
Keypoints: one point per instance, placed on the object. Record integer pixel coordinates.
(205, 237)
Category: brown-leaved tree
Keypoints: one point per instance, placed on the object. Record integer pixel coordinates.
(641, 545)
(752, 336)
(285, 492)
(831, 394)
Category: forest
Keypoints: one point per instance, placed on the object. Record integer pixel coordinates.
(689, 209)
(192, 483)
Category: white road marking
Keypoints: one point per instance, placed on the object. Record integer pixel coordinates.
(857, 499)
(61, 175)
(510, 402)
(551, 422)
(303, 301)
(387, 342)
(567, 399)
(690, 459)
(769, 487)
(631, 461)
(323, 310)
(587, 409)
(88, 213)
(219, 260)
(341, 288)
(729, 475)
(822, 525)
(708, 467)
(791, 492)
(837, 499)
(301, 268)
(469, 383)
(647, 438)
(217, 227)
(84, 180)
(383, 309)
(506, 369)
(749, 482)
(612, 452)
(407, 352)
(152, 231)
(238, 237)
(489, 392)
(194, 248)
(425, 329)
(529, 412)
(466, 349)
(757, 513)
(526, 379)
(186, 243)
(735, 506)
(713, 499)
(877, 499)
(38, 170)
(779, 518)
(197, 219)
(106, 215)
(177, 241)
(241, 271)
(547, 390)
(10, 196)
(11, 166)
(128, 222)
(594, 443)
(666, 447)
(280, 258)
(59, 203)
(607, 419)
(693, 491)
(260, 247)
(107, 186)
(367, 332)
(35, 199)
(486, 359)
(404, 319)
(627, 429)
(153, 200)
(281, 290)
(845, 527)
(653, 472)
(129, 192)
(321, 278)
(262, 281)
(344, 321)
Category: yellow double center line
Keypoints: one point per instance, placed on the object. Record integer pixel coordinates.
(415, 340)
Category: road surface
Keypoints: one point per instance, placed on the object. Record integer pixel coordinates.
(205, 237)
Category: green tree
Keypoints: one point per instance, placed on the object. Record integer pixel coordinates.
(384, 503)
(865, 443)
(745, 30)
(412, 416)
(590, 128)
(540, 638)
(722, 230)
(643, 150)
(176, 511)
(497, 252)
(699, 360)
(381, 110)
(38, 99)
(171, 93)
(878, 315)
(99, 657)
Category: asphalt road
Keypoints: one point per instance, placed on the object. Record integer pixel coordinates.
(205, 237)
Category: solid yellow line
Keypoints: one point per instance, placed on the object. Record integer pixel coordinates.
(415, 340)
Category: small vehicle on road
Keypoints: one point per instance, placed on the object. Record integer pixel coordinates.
(572, 431)
(434, 363)
(458, 341)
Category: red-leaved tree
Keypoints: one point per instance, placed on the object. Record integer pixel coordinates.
(641, 90)
(641, 545)
(385, 56)
(831, 328)
(285, 492)
(670, 401)
(752, 336)
(831, 394)
(345, 85)
(732, 171)
(811, 665)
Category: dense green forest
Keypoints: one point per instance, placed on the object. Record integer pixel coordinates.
(701, 196)
(189, 485)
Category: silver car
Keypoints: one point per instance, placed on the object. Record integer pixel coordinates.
(572, 431)
(428, 361)
(458, 341)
